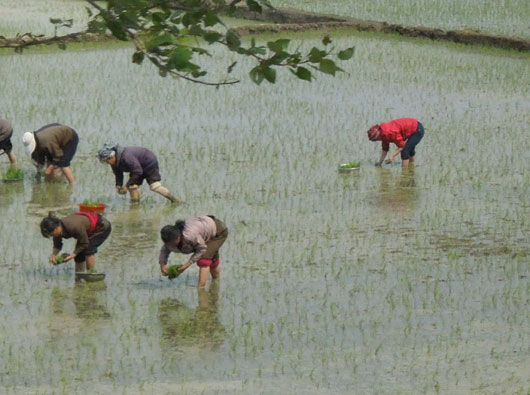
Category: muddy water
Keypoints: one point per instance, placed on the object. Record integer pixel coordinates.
(380, 281)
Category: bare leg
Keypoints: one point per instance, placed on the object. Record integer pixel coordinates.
(12, 158)
(204, 273)
(90, 262)
(80, 267)
(49, 172)
(216, 272)
(405, 162)
(68, 174)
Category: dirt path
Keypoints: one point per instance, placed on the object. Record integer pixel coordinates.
(285, 19)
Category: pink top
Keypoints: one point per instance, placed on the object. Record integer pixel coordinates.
(397, 131)
(197, 231)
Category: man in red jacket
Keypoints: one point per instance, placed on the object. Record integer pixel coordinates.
(405, 133)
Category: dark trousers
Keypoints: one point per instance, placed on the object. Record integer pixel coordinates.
(68, 152)
(410, 146)
(103, 229)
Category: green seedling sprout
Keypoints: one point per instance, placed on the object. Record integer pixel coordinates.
(88, 203)
(14, 174)
(350, 165)
(173, 271)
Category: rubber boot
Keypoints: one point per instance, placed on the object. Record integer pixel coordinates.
(135, 194)
(160, 189)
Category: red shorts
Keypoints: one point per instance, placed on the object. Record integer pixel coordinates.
(211, 263)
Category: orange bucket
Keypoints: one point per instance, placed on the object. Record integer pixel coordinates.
(99, 208)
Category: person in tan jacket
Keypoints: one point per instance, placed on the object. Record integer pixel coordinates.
(200, 236)
(53, 146)
(89, 229)
(6, 131)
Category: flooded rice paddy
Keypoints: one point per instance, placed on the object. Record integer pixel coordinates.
(381, 281)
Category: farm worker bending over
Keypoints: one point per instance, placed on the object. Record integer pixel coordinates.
(201, 236)
(140, 162)
(53, 146)
(89, 229)
(406, 133)
(6, 131)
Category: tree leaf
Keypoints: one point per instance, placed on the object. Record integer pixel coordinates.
(328, 66)
(116, 29)
(303, 73)
(138, 57)
(161, 40)
(270, 74)
(212, 37)
(231, 67)
(316, 55)
(346, 54)
(278, 45)
(326, 40)
(233, 40)
(211, 19)
(254, 6)
(180, 58)
(256, 75)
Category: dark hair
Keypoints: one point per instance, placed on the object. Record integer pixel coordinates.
(171, 232)
(49, 223)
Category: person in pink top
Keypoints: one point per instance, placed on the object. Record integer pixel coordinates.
(405, 133)
(200, 236)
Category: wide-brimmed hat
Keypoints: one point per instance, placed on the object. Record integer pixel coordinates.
(374, 133)
(28, 139)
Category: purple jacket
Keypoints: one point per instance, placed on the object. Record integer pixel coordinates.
(134, 160)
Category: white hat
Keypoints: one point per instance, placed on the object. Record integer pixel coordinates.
(29, 142)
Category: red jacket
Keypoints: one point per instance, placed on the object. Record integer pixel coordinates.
(397, 132)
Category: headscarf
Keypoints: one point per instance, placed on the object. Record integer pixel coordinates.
(107, 152)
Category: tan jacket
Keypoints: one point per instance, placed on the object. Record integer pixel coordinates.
(50, 142)
(76, 226)
(6, 130)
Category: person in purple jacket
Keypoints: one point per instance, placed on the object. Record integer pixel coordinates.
(140, 163)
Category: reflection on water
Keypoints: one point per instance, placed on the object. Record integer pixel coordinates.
(81, 301)
(47, 197)
(133, 230)
(10, 192)
(181, 326)
(397, 192)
